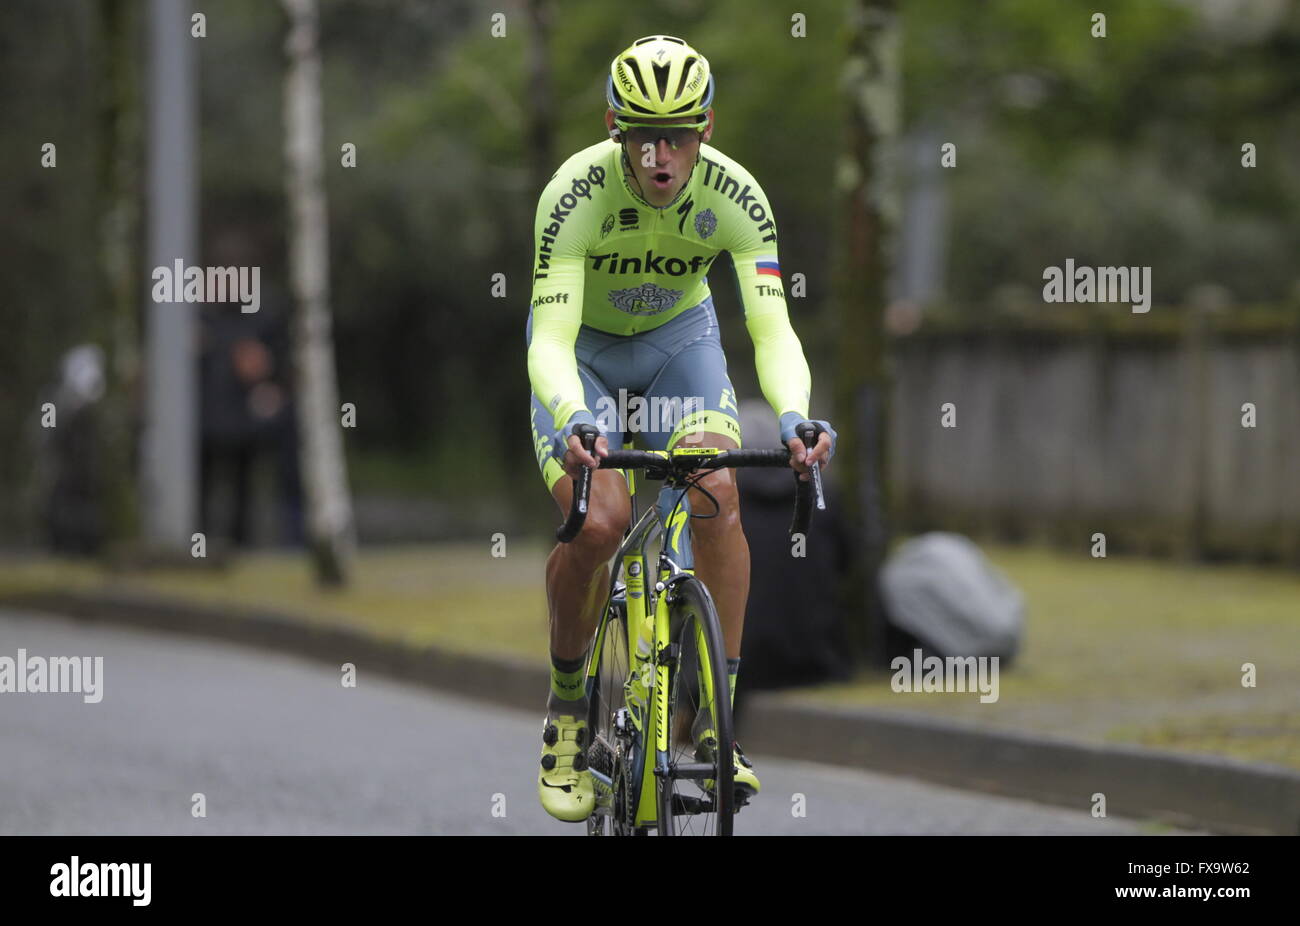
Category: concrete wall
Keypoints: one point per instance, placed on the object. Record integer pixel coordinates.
(1139, 437)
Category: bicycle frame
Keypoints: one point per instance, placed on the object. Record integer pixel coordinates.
(648, 630)
(648, 610)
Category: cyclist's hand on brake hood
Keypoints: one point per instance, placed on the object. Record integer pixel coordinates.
(575, 457)
(800, 456)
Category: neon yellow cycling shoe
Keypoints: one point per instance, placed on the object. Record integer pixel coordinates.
(746, 781)
(706, 742)
(564, 783)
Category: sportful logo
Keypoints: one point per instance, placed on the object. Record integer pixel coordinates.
(627, 219)
(580, 189)
(730, 188)
(646, 299)
(706, 223)
(653, 263)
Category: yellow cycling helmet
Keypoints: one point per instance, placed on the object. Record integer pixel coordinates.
(656, 77)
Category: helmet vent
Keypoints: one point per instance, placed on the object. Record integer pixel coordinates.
(635, 68)
(686, 72)
(661, 79)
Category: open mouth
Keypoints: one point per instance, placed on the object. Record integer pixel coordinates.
(661, 179)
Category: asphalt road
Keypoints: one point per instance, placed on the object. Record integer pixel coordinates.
(277, 745)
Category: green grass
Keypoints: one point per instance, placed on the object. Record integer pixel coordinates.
(459, 597)
(1116, 650)
(1137, 651)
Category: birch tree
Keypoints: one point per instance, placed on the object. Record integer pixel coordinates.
(330, 530)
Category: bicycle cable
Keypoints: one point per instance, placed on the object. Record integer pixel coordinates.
(693, 483)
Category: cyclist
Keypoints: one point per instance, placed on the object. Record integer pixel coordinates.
(621, 315)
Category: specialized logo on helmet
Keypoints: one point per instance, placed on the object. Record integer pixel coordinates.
(646, 299)
(607, 226)
(706, 223)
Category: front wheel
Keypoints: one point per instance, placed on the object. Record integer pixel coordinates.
(608, 754)
(696, 797)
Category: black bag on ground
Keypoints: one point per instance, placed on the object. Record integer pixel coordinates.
(794, 633)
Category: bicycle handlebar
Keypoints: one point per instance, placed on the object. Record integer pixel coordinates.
(581, 489)
(658, 466)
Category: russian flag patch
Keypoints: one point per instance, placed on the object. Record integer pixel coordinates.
(767, 266)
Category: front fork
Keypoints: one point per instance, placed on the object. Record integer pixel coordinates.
(647, 690)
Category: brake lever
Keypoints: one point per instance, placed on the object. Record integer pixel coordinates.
(808, 434)
(816, 471)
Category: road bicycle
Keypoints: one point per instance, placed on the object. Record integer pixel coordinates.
(658, 659)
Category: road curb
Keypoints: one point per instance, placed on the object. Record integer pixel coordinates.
(1201, 792)
(1206, 792)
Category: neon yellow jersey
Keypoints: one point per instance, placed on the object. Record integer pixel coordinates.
(604, 258)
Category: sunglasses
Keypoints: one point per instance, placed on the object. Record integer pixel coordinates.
(677, 136)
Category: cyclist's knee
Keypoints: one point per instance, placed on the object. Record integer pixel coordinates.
(603, 531)
(722, 486)
(608, 512)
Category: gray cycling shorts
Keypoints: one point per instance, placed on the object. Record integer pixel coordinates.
(659, 385)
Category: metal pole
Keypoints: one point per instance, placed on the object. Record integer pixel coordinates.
(171, 386)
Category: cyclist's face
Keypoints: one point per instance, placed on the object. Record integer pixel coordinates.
(660, 169)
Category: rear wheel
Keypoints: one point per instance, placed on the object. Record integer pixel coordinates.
(697, 796)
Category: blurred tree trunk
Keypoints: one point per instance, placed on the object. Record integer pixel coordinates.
(330, 531)
(871, 86)
(117, 325)
(540, 141)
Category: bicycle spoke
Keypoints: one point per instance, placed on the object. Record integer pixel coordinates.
(606, 700)
(695, 686)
